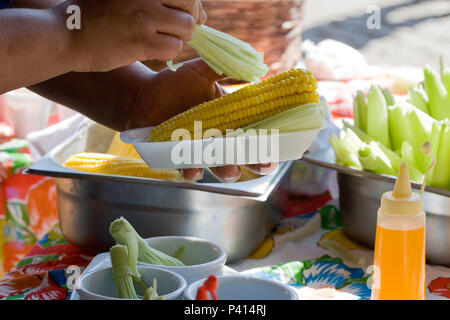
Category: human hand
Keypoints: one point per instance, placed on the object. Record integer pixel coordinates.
(169, 93)
(117, 33)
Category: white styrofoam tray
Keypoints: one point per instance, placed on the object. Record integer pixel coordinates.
(213, 152)
(103, 261)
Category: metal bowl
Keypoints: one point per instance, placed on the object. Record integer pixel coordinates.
(235, 216)
(359, 200)
(360, 196)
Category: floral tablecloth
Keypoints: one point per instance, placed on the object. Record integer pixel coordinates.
(307, 250)
(296, 253)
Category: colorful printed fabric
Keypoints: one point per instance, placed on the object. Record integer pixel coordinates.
(318, 261)
(27, 204)
(43, 273)
(322, 278)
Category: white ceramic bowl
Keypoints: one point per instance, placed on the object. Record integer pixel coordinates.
(245, 288)
(202, 257)
(99, 285)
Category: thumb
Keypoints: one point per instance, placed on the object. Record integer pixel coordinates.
(201, 67)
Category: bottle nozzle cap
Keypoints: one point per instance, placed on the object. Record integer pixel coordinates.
(402, 188)
(402, 200)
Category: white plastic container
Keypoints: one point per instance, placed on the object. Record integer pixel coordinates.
(212, 152)
(99, 284)
(202, 257)
(245, 288)
(29, 112)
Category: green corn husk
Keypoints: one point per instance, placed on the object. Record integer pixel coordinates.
(126, 237)
(343, 156)
(421, 160)
(377, 117)
(435, 140)
(441, 173)
(439, 99)
(179, 252)
(360, 111)
(367, 139)
(301, 118)
(122, 231)
(445, 75)
(344, 153)
(122, 272)
(397, 120)
(374, 160)
(228, 55)
(408, 123)
(395, 160)
(408, 155)
(419, 124)
(173, 67)
(446, 80)
(390, 100)
(151, 293)
(419, 99)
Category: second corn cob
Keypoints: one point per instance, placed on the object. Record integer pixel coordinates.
(121, 149)
(115, 165)
(244, 107)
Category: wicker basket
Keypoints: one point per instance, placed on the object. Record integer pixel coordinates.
(270, 26)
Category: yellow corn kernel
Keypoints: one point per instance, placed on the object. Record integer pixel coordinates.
(119, 148)
(115, 165)
(245, 106)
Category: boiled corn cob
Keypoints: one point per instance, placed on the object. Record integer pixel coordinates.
(115, 165)
(245, 106)
(121, 149)
(122, 272)
(124, 233)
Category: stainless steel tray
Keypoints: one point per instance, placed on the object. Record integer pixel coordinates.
(96, 138)
(236, 216)
(359, 199)
(326, 158)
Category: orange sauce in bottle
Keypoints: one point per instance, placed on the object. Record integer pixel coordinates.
(401, 264)
(399, 259)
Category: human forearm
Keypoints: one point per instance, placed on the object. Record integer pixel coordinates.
(34, 46)
(35, 4)
(104, 97)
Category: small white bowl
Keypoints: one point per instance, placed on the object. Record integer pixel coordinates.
(202, 257)
(99, 285)
(245, 288)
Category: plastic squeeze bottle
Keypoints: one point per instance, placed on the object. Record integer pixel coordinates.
(399, 260)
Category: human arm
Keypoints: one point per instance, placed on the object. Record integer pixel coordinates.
(36, 45)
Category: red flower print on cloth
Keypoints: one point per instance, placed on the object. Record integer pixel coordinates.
(440, 286)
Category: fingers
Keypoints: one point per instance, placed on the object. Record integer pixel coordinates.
(203, 16)
(163, 47)
(193, 7)
(176, 23)
(227, 174)
(200, 67)
(262, 169)
(192, 174)
(218, 90)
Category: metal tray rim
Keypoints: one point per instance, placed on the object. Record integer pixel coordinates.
(48, 166)
(322, 158)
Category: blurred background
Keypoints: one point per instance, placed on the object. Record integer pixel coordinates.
(413, 32)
